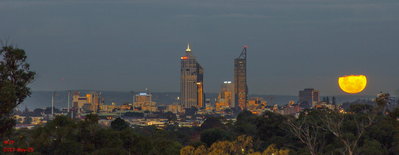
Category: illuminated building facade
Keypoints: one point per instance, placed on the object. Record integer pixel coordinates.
(308, 97)
(290, 109)
(90, 102)
(256, 103)
(191, 81)
(226, 96)
(78, 102)
(93, 102)
(143, 102)
(240, 80)
(174, 108)
(109, 108)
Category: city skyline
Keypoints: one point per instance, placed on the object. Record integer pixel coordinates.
(113, 45)
(182, 77)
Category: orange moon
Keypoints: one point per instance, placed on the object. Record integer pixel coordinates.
(352, 84)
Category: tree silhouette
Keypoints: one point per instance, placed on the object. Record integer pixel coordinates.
(15, 75)
(119, 124)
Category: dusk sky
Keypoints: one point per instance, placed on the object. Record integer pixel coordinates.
(136, 44)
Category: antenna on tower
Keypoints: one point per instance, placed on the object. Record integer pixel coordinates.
(243, 54)
(52, 103)
(69, 97)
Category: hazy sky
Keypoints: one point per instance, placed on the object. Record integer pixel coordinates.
(132, 45)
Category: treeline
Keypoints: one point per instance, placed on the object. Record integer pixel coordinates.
(66, 136)
(364, 129)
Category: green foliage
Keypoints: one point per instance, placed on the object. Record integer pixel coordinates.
(165, 147)
(61, 121)
(395, 144)
(201, 150)
(270, 129)
(395, 113)
(307, 129)
(222, 147)
(242, 145)
(212, 122)
(210, 136)
(15, 75)
(360, 108)
(246, 123)
(372, 147)
(92, 118)
(108, 151)
(66, 136)
(382, 132)
(119, 124)
(187, 150)
(272, 150)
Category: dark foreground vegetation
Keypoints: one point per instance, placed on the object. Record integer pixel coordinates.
(359, 131)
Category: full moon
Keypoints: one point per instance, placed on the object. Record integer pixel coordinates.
(352, 84)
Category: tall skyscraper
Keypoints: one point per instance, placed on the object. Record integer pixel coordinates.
(240, 80)
(191, 81)
(308, 97)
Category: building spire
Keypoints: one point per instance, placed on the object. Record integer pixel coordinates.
(188, 48)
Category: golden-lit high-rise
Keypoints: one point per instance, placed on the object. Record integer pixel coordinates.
(191, 81)
(226, 96)
(240, 80)
(200, 95)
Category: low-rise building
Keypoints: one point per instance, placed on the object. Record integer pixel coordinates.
(143, 102)
(174, 108)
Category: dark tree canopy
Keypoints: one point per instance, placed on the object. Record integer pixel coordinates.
(246, 123)
(271, 135)
(92, 118)
(119, 124)
(212, 122)
(15, 75)
(360, 108)
(210, 136)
